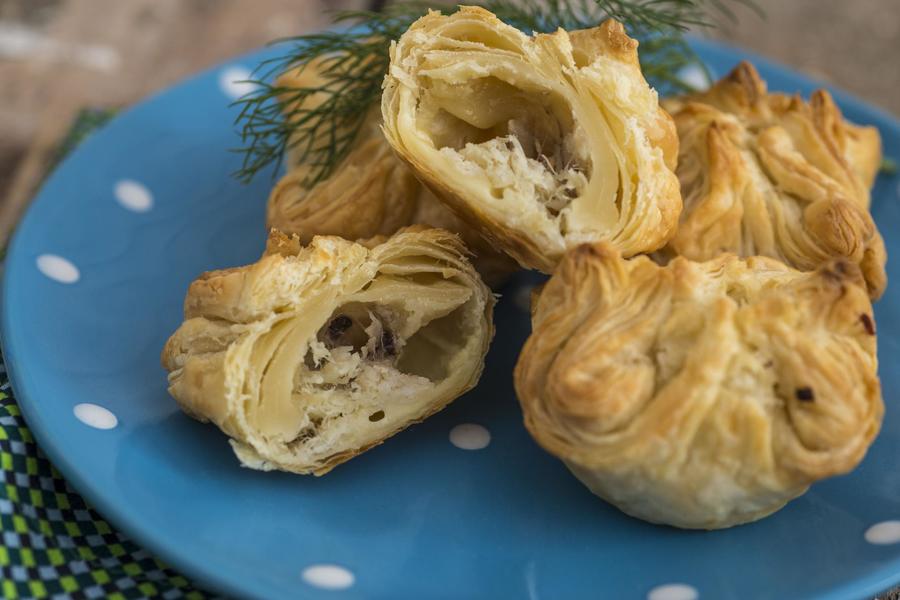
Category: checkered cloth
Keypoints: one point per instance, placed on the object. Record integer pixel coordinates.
(54, 545)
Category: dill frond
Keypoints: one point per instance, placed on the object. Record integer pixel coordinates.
(275, 120)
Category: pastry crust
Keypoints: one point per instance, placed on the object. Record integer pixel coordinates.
(316, 353)
(771, 175)
(370, 193)
(540, 142)
(701, 394)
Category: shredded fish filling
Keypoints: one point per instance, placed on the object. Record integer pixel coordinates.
(521, 163)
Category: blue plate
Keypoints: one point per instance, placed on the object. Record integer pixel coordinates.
(94, 284)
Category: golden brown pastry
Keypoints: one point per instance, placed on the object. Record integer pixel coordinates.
(701, 394)
(541, 142)
(315, 354)
(370, 193)
(771, 175)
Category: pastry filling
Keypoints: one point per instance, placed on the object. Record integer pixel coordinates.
(358, 343)
(527, 145)
(362, 363)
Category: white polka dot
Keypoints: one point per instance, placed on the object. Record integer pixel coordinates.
(58, 268)
(328, 577)
(886, 532)
(233, 81)
(133, 195)
(673, 591)
(470, 436)
(95, 416)
(694, 76)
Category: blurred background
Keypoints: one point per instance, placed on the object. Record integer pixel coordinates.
(59, 56)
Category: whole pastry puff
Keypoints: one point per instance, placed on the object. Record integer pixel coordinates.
(771, 175)
(541, 142)
(701, 394)
(315, 354)
(371, 192)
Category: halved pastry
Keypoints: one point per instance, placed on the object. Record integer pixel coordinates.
(771, 175)
(315, 354)
(540, 142)
(370, 193)
(701, 394)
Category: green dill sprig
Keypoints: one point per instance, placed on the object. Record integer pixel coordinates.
(318, 125)
(275, 119)
(674, 15)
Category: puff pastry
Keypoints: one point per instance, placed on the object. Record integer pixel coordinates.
(769, 174)
(541, 142)
(315, 354)
(370, 193)
(701, 394)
